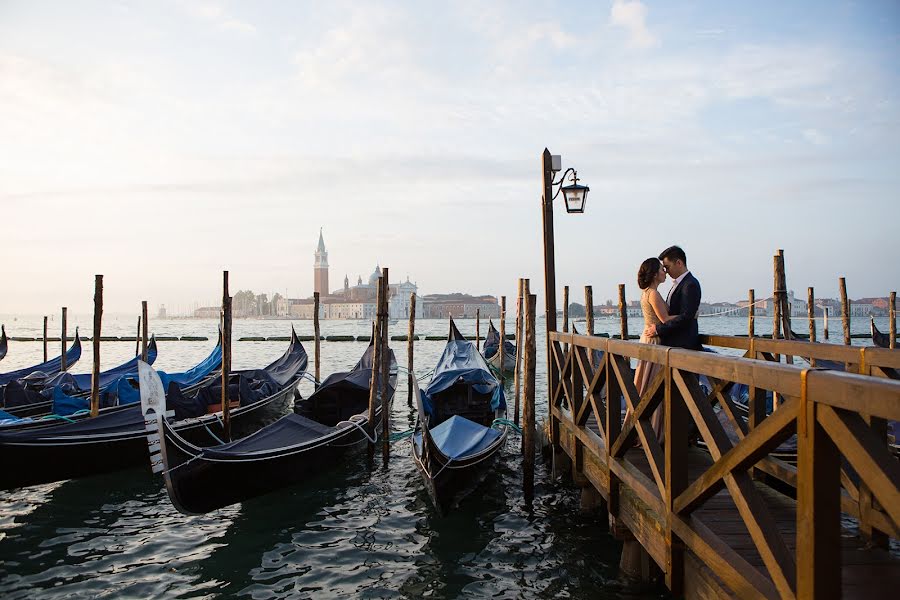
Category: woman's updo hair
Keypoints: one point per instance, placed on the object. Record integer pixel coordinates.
(648, 272)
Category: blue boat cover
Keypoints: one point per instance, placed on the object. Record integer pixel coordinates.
(289, 430)
(492, 343)
(122, 391)
(49, 368)
(82, 381)
(461, 362)
(458, 437)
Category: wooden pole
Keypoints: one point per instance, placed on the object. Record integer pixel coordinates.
(520, 340)
(45, 339)
(553, 374)
(811, 313)
(845, 310)
(316, 335)
(623, 312)
(376, 361)
(63, 338)
(137, 339)
(785, 305)
(410, 338)
(95, 370)
(751, 314)
(565, 308)
(226, 356)
(776, 301)
(385, 370)
(529, 388)
(893, 324)
(589, 310)
(825, 310)
(145, 325)
(502, 334)
(478, 329)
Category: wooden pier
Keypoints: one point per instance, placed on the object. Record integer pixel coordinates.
(731, 520)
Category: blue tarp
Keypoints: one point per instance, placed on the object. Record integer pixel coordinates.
(458, 437)
(462, 363)
(49, 368)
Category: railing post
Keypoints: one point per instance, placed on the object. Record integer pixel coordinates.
(677, 424)
(613, 429)
(818, 506)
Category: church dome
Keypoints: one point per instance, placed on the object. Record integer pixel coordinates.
(373, 278)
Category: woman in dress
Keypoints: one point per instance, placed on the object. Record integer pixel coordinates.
(650, 275)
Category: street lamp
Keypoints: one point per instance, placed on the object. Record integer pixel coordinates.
(575, 196)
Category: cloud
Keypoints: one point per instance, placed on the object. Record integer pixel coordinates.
(632, 15)
(814, 136)
(214, 13)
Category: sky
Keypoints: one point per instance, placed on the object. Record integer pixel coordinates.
(159, 143)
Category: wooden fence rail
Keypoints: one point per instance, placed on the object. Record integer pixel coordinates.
(709, 518)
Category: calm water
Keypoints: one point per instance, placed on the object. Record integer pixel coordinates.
(358, 531)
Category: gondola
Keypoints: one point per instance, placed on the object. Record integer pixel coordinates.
(37, 394)
(49, 368)
(115, 439)
(460, 425)
(289, 451)
(492, 354)
(4, 343)
(882, 340)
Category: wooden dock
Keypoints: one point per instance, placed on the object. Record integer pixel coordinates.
(731, 520)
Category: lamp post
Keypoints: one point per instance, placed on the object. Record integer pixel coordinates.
(575, 196)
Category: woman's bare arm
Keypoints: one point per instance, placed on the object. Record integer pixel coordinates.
(659, 307)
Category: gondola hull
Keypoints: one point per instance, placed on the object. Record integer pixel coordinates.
(449, 481)
(55, 453)
(198, 487)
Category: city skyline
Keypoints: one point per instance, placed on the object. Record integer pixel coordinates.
(161, 144)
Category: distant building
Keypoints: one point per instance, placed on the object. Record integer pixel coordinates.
(207, 312)
(458, 305)
(162, 312)
(320, 268)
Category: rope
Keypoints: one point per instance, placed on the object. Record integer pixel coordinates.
(398, 437)
(68, 419)
(732, 310)
(507, 423)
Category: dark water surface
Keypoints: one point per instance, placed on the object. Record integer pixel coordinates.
(359, 530)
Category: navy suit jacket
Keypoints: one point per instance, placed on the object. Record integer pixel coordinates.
(684, 303)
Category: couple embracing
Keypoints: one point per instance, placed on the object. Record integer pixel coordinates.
(671, 321)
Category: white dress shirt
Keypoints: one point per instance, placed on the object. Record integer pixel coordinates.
(675, 285)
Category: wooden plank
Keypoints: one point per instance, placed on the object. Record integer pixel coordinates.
(818, 509)
(868, 395)
(867, 454)
(736, 573)
(746, 453)
(677, 421)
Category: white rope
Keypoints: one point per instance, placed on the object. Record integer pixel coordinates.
(731, 310)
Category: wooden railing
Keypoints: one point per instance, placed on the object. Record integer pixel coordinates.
(831, 412)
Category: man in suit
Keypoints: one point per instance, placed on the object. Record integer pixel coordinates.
(683, 301)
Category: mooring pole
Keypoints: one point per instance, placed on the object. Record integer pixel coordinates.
(845, 310)
(589, 317)
(478, 329)
(825, 322)
(45, 339)
(145, 331)
(95, 370)
(376, 358)
(811, 313)
(623, 312)
(410, 339)
(137, 339)
(385, 369)
(63, 338)
(317, 341)
(529, 389)
(226, 357)
(785, 305)
(776, 304)
(519, 348)
(893, 324)
(502, 335)
(751, 314)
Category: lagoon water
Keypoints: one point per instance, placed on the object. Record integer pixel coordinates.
(359, 530)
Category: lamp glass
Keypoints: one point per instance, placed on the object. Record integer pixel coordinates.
(575, 197)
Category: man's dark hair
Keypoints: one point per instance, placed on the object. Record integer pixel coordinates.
(674, 253)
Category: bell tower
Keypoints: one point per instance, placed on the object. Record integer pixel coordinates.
(320, 269)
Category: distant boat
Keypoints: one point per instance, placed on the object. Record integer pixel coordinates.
(492, 347)
(461, 423)
(290, 450)
(882, 340)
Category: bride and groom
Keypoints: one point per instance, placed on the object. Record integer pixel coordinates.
(670, 322)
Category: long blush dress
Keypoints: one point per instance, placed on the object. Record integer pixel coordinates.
(645, 370)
